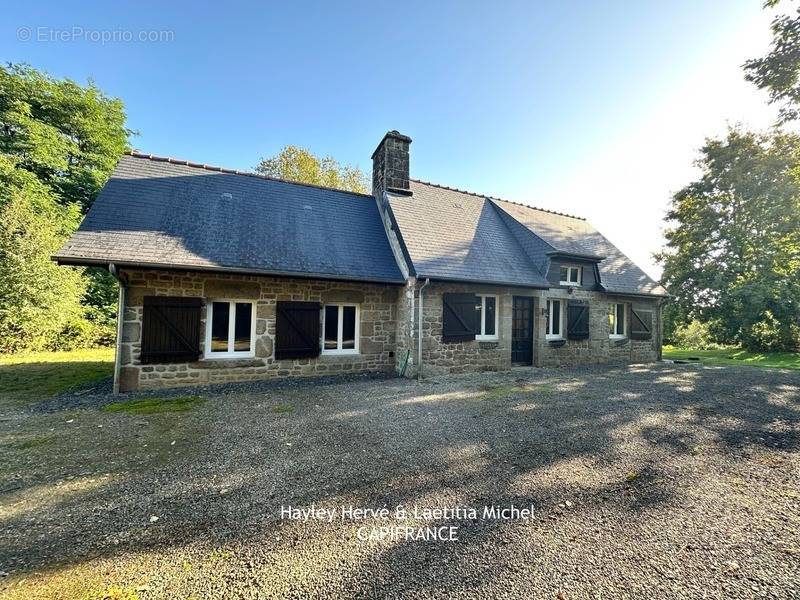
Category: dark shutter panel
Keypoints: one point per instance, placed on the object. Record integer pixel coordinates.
(577, 321)
(297, 330)
(641, 324)
(459, 317)
(170, 329)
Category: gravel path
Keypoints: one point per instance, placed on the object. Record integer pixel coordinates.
(645, 481)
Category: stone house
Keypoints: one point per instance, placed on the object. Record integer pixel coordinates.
(232, 276)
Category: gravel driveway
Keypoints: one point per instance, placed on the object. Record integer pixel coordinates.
(645, 480)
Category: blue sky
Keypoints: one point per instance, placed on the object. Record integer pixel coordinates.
(591, 108)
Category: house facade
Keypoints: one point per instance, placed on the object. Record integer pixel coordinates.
(230, 276)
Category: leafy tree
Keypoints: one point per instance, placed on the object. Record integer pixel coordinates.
(733, 250)
(298, 164)
(69, 136)
(779, 71)
(59, 142)
(40, 302)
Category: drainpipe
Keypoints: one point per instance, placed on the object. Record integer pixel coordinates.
(112, 268)
(419, 329)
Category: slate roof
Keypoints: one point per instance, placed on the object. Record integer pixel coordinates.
(165, 213)
(457, 236)
(577, 237)
(454, 234)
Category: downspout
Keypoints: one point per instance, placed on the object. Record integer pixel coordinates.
(112, 268)
(419, 329)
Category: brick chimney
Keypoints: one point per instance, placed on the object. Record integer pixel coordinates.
(390, 164)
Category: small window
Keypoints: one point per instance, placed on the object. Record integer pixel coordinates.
(340, 329)
(570, 276)
(616, 321)
(553, 320)
(230, 329)
(487, 318)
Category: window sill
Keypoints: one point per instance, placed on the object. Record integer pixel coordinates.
(617, 337)
(553, 338)
(230, 356)
(487, 338)
(556, 342)
(569, 284)
(340, 353)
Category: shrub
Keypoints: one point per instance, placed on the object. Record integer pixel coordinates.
(694, 336)
(771, 335)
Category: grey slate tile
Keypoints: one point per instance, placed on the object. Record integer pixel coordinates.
(171, 214)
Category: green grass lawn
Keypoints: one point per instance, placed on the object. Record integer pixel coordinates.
(153, 406)
(736, 356)
(27, 377)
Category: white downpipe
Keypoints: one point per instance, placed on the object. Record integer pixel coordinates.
(419, 330)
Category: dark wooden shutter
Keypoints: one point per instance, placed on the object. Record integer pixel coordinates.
(297, 330)
(578, 321)
(170, 329)
(459, 317)
(641, 324)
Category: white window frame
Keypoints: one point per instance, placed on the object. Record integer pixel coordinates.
(560, 334)
(340, 322)
(482, 337)
(612, 333)
(570, 269)
(208, 354)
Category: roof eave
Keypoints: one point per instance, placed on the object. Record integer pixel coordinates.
(543, 286)
(91, 262)
(591, 257)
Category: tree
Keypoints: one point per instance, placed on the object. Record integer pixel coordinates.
(59, 143)
(733, 250)
(779, 71)
(298, 164)
(69, 136)
(40, 302)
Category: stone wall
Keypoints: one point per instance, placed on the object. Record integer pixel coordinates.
(378, 327)
(440, 357)
(599, 348)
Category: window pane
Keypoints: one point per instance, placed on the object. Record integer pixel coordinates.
(574, 275)
(620, 319)
(490, 316)
(219, 326)
(331, 327)
(564, 274)
(556, 317)
(348, 328)
(242, 327)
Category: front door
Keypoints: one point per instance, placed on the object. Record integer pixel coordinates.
(522, 331)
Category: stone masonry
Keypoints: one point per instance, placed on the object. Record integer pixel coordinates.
(441, 358)
(378, 306)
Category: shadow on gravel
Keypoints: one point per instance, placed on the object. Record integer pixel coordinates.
(601, 437)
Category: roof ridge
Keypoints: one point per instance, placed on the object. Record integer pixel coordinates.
(188, 163)
(452, 189)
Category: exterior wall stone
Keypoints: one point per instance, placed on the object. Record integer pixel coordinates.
(388, 329)
(441, 358)
(377, 343)
(599, 348)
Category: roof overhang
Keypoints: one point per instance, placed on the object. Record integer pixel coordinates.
(484, 282)
(589, 257)
(89, 262)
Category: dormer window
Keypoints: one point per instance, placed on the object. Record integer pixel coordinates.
(571, 276)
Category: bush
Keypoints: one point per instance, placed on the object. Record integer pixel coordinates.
(770, 335)
(694, 336)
